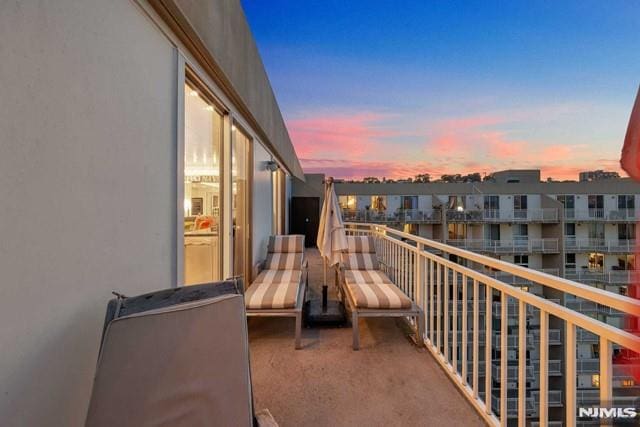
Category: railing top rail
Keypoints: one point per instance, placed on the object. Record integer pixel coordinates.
(610, 299)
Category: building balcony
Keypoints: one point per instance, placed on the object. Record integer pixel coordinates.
(613, 246)
(507, 247)
(404, 385)
(402, 216)
(616, 215)
(543, 215)
(612, 277)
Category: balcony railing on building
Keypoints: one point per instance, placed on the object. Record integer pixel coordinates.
(507, 216)
(615, 215)
(572, 244)
(428, 216)
(463, 306)
(612, 277)
(504, 247)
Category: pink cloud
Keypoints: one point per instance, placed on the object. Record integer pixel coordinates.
(338, 135)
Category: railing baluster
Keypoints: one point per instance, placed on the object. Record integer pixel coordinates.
(446, 314)
(476, 326)
(522, 363)
(544, 366)
(454, 329)
(464, 329)
(438, 305)
(503, 358)
(606, 384)
(487, 348)
(570, 374)
(431, 278)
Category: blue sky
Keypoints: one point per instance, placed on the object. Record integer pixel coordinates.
(375, 88)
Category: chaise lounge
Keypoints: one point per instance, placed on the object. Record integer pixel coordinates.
(279, 287)
(367, 291)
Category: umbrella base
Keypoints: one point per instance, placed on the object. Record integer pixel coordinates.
(331, 316)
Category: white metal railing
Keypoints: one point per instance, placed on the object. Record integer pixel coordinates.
(594, 244)
(498, 215)
(512, 246)
(625, 215)
(399, 216)
(421, 269)
(613, 277)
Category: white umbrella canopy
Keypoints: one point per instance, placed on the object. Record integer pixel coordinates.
(332, 239)
(630, 160)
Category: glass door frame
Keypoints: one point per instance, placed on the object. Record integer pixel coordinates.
(187, 76)
(248, 255)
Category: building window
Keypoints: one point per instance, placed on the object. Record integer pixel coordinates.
(570, 229)
(491, 203)
(347, 202)
(626, 201)
(596, 261)
(457, 231)
(456, 203)
(203, 127)
(409, 202)
(492, 232)
(595, 380)
(626, 231)
(568, 200)
(570, 261)
(379, 203)
(520, 202)
(411, 229)
(595, 203)
(629, 382)
(596, 230)
(521, 260)
(626, 262)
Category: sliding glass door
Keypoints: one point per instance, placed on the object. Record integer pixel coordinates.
(241, 196)
(203, 142)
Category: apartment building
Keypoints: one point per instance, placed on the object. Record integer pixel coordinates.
(583, 231)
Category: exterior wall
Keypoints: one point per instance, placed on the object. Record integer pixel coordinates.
(88, 190)
(91, 101)
(262, 191)
(222, 26)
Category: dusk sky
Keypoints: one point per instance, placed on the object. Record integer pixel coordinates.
(393, 89)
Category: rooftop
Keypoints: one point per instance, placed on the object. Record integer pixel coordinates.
(389, 381)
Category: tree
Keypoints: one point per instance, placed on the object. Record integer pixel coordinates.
(423, 177)
(370, 180)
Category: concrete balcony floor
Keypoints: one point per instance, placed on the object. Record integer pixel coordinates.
(388, 382)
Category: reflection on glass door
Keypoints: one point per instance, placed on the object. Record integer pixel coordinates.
(203, 142)
(240, 167)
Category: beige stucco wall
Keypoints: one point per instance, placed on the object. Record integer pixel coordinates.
(87, 191)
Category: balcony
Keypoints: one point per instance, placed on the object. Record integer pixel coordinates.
(542, 215)
(405, 385)
(613, 277)
(401, 216)
(613, 246)
(617, 215)
(507, 247)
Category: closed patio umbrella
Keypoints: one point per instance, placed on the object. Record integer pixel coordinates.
(332, 239)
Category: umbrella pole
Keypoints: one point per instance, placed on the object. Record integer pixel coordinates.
(324, 287)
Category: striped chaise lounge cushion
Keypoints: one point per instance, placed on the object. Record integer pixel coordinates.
(274, 289)
(278, 284)
(378, 295)
(285, 253)
(361, 254)
(286, 243)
